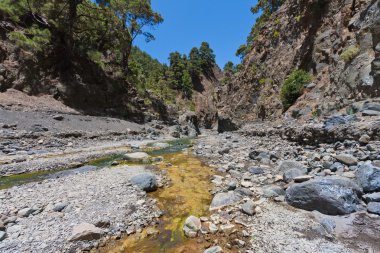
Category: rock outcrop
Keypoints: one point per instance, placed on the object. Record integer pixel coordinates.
(337, 41)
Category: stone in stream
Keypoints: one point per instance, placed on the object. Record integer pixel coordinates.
(223, 199)
(161, 145)
(214, 249)
(192, 226)
(332, 196)
(368, 177)
(137, 157)
(374, 207)
(145, 181)
(86, 232)
(346, 159)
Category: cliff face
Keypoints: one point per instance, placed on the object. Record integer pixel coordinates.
(313, 35)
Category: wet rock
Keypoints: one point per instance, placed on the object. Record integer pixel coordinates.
(368, 177)
(215, 249)
(192, 226)
(333, 195)
(248, 207)
(347, 159)
(223, 199)
(145, 181)
(213, 228)
(226, 124)
(137, 157)
(374, 207)
(272, 191)
(86, 232)
(161, 145)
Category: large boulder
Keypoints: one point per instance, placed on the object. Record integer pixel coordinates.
(223, 199)
(226, 124)
(86, 232)
(145, 181)
(190, 120)
(368, 177)
(332, 196)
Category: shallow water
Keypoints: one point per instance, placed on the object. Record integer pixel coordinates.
(187, 195)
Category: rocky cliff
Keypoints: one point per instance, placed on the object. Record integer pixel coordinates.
(337, 41)
(88, 88)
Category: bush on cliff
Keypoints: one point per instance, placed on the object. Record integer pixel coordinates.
(293, 87)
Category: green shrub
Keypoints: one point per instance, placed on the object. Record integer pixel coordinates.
(293, 87)
(96, 57)
(350, 53)
(32, 38)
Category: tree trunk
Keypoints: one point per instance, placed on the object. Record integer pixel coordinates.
(71, 19)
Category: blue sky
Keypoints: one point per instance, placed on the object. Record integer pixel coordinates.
(225, 24)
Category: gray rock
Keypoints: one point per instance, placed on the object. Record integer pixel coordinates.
(25, 212)
(272, 191)
(368, 177)
(290, 174)
(328, 224)
(192, 226)
(231, 185)
(161, 145)
(373, 197)
(370, 113)
(137, 157)
(2, 225)
(289, 165)
(244, 192)
(58, 117)
(248, 207)
(347, 159)
(86, 232)
(2, 235)
(364, 139)
(374, 207)
(145, 181)
(214, 249)
(226, 124)
(223, 199)
(256, 170)
(332, 196)
(59, 207)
